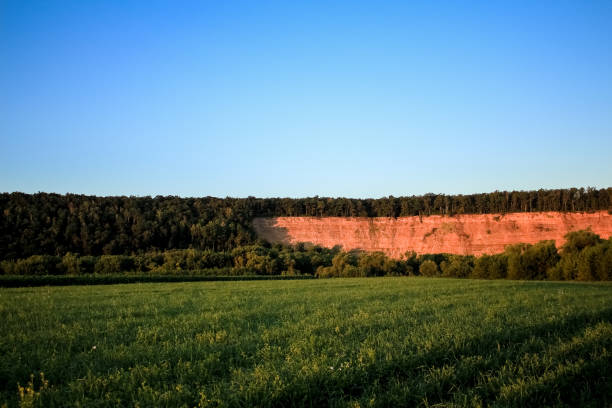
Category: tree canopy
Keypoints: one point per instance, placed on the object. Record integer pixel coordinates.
(54, 224)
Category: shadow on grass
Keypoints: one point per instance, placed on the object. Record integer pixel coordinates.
(505, 369)
(556, 363)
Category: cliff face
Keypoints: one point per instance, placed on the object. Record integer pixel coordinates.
(474, 234)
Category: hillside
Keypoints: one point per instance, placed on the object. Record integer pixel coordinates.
(474, 234)
(54, 224)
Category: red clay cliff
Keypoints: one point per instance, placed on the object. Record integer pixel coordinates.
(473, 234)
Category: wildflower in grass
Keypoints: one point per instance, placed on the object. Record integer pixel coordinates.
(28, 395)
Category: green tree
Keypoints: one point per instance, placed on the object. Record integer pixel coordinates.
(457, 266)
(531, 261)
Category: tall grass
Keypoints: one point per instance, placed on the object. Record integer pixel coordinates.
(343, 342)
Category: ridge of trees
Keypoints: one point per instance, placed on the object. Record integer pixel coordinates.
(54, 224)
(584, 257)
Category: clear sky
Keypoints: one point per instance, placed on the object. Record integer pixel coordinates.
(288, 98)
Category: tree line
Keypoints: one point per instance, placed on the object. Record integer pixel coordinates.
(584, 256)
(54, 224)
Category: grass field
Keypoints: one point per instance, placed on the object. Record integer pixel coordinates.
(342, 342)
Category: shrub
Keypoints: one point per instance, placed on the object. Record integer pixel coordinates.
(411, 262)
(490, 267)
(8, 268)
(324, 272)
(567, 267)
(555, 273)
(531, 261)
(604, 271)
(428, 268)
(39, 265)
(588, 260)
(584, 256)
(70, 263)
(576, 241)
(595, 263)
(114, 264)
(374, 264)
(457, 266)
(87, 264)
(344, 264)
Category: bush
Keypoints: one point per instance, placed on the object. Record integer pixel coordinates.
(604, 271)
(39, 265)
(531, 261)
(490, 267)
(428, 268)
(344, 264)
(211, 259)
(7, 268)
(87, 264)
(584, 256)
(374, 264)
(411, 262)
(566, 268)
(595, 263)
(457, 266)
(70, 264)
(576, 241)
(555, 273)
(114, 264)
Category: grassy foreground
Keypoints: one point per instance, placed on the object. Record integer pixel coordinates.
(343, 342)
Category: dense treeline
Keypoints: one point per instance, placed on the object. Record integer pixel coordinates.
(241, 261)
(17, 281)
(585, 256)
(54, 224)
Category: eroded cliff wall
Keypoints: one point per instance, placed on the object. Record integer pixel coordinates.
(460, 234)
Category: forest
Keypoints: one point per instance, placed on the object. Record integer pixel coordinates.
(54, 224)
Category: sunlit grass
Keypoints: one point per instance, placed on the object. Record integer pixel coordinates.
(343, 342)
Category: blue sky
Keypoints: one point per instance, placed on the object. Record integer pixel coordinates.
(357, 99)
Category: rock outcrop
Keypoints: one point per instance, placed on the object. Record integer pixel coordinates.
(474, 234)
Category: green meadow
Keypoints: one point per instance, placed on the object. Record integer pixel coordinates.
(337, 342)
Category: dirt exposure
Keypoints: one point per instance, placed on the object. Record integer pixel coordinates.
(474, 234)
